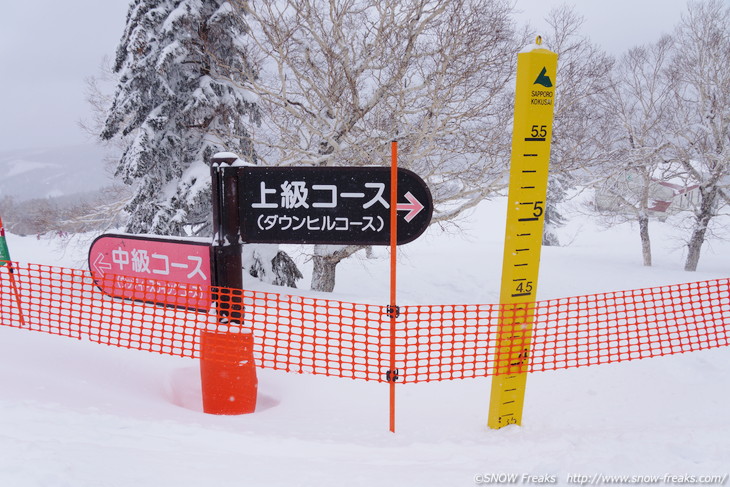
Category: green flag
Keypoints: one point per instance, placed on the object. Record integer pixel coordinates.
(4, 252)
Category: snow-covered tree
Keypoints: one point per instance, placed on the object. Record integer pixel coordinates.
(583, 72)
(341, 79)
(638, 107)
(182, 96)
(701, 112)
(176, 108)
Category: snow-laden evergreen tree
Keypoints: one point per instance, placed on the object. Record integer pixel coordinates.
(181, 98)
(558, 185)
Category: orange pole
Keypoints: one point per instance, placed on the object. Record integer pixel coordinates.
(393, 258)
(16, 291)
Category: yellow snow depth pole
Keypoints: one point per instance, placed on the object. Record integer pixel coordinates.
(532, 130)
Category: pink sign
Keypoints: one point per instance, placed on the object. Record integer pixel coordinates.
(153, 269)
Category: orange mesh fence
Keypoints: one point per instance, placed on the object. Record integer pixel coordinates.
(291, 333)
(352, 340)
(67, 302)
(629, 325)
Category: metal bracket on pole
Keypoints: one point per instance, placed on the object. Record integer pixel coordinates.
(392, 375)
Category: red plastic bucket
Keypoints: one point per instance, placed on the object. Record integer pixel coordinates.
(227, 372)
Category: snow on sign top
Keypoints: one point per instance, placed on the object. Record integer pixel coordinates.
(537, 46)
(225, 155)
(220, 158)
(225, 159)
(156, 270)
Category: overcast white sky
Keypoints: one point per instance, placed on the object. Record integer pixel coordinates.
(49, 47)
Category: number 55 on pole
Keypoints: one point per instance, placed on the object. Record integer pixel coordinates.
(532, 132)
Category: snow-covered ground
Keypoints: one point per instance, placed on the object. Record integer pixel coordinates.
(77, 414)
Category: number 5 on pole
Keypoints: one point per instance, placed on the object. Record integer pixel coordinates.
(533, 121)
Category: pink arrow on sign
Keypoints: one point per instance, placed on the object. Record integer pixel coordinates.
(413, 207)
(100, 266)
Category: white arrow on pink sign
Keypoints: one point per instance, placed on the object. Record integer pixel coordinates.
(151, 269)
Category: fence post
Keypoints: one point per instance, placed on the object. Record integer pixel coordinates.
(393, 307)
(227, 370)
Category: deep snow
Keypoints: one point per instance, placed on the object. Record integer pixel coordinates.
(74, 413)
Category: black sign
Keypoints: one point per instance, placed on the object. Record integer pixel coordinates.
(330, 205)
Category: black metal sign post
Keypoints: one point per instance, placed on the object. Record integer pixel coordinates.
(227, 371)
(226, 250)
(330, 205)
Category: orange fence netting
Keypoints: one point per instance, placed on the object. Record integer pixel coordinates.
(352, 340)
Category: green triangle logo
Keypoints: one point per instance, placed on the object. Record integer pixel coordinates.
(543, 79)
(4, 253)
